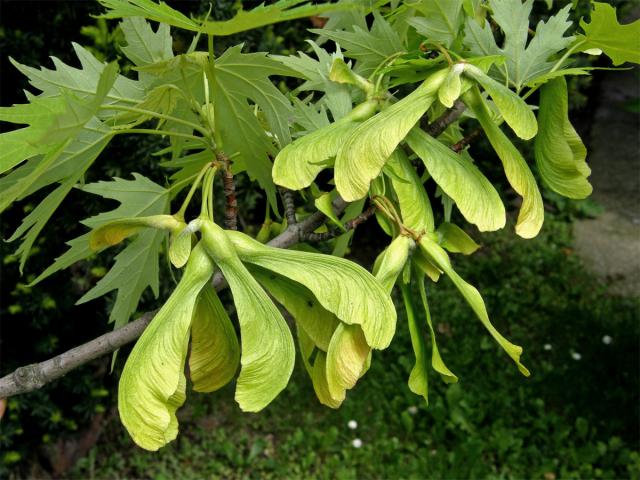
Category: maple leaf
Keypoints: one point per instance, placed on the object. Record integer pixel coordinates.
(441, 21)
(136, 266)
(524, 63)
(603, 32)
(260, 16)
(337, 97)
(369, 47)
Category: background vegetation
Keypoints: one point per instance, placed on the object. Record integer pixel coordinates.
(577, 417)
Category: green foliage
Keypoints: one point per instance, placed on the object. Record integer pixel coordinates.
(558, 422)
(219, 112)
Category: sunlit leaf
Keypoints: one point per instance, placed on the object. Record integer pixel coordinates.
(440, 258)
(152, 385)
(531, 214)
(460, 179)
(215, 353)
(341, 286)
(618, 42)
(268, 353)
(560, 154)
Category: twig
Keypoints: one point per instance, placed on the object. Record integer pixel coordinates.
(336, 232)
(289, 206)
(231, 203)
(34, 376)
(460, 146)
(441, 123)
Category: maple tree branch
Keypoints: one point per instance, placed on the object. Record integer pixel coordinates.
(441, 123)
(289, 205)
(336, 232)
(229, 187)
(32, 377)
(460, 145)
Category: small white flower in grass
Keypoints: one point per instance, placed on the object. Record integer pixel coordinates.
(576, 356)
(607, 340)
(352, 424)
(357, 443)
(547, 346)
(412, 410)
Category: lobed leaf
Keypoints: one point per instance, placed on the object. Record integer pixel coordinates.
(618, 42)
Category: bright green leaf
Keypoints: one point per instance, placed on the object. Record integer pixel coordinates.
(440, 258)
(341, 286)
(560, 154)
(518, 173)
(460, 179)
(618, 42)
(215, 353)
(361, 158)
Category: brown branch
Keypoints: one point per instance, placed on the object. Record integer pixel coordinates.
(289, 205)
(34, 376)
(231, 203)
(441, 123)
(336, 232)
(460, 145)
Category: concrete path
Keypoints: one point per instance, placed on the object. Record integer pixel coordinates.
(610, 244)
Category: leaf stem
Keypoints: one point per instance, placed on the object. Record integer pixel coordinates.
(157, 115)
(151, 131)
(555, 67)
(185, 203)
